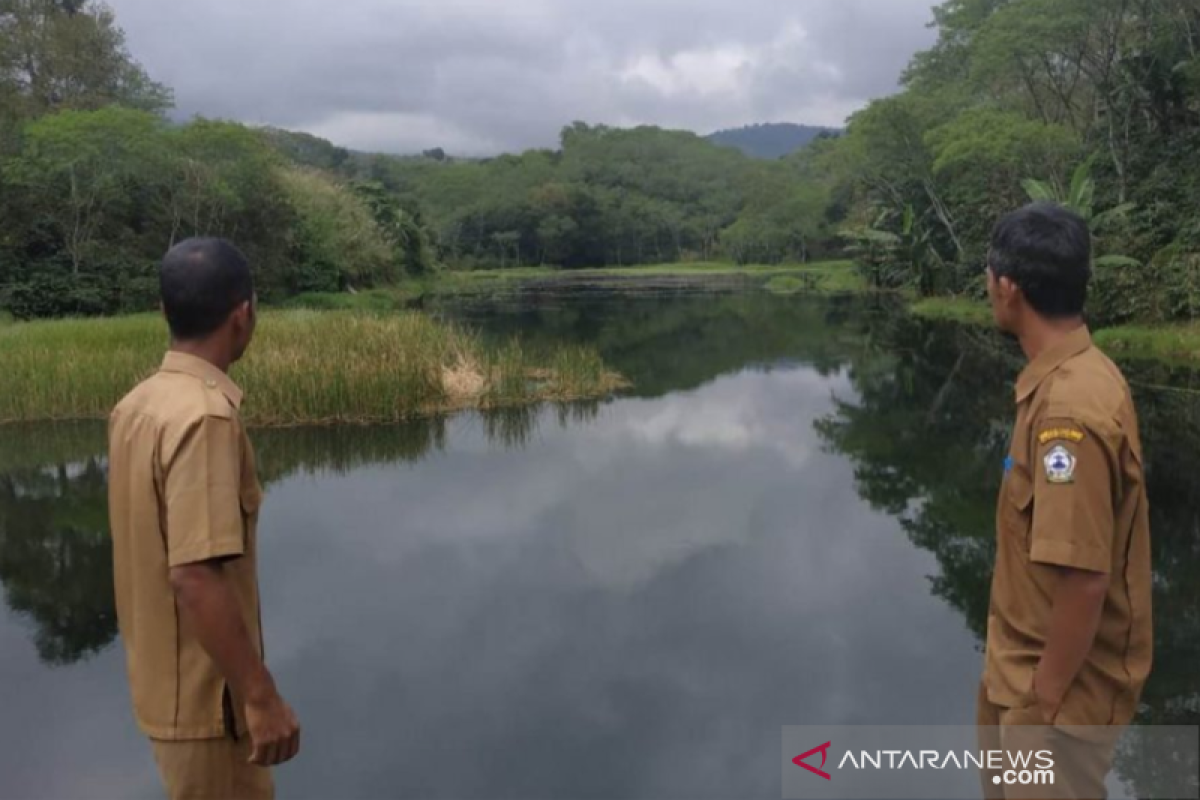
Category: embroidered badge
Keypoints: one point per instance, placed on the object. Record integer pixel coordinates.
(1060, 465)
(1060, 434)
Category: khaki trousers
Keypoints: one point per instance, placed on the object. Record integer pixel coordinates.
(1080, 766)
(211, 769)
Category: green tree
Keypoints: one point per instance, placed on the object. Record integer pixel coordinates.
(81, 171)
(68, 55)
(213, 175)
(403, 228)
(338, 243)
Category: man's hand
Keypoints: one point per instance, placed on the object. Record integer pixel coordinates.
(209, 603)
(274, 731)
(1049, 699)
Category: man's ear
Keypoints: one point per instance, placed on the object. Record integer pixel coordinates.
(1009, 290)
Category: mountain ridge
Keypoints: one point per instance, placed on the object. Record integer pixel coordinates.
(770, 140)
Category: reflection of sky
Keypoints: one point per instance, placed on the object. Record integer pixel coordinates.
(628, 607)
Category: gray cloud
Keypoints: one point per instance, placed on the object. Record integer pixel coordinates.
(480, 76)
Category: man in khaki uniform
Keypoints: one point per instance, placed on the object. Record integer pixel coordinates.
(1069, 627)
(183, 502)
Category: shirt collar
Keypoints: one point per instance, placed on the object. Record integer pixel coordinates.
(1076, 342)
(213, 377)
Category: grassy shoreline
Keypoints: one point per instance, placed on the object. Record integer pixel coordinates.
(824, 277)
(1177, 343)
(364, 359)
(305, 368)
(820, 276)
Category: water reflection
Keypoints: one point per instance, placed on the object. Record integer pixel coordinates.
(926, 432)
(55, 557)
(617, 600)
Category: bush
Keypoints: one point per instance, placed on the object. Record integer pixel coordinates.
(1167, 289)
(338, 243)
(54, 295)
(115, 285)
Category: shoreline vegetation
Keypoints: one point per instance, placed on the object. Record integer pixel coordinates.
(305, 368)
(369, 357)
(1170, 343)
(363, 358)
(824, 277)
(98, 181)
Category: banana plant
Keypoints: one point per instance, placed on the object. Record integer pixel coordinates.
(1080, 197)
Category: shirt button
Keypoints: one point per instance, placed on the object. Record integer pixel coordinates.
(210, 383)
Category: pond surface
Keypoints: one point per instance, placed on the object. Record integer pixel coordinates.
(788, 520)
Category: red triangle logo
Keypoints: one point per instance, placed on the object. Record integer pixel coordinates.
(824, 751)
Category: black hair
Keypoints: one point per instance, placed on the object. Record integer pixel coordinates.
(1046, 250)
(202, 281)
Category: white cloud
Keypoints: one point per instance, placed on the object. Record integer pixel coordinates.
(478, 76)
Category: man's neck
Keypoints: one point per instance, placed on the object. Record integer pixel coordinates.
(206, 350)
(1042, 334)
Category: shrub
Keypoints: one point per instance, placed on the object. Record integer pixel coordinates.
(337, 242)
(1166, 289)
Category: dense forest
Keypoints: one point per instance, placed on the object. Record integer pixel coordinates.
(96, 183)
(1093, 103)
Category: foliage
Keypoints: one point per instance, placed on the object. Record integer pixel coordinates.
(93, 198)
(95, 185)
(81, 171)
(1097, 98)
(404, 229)
(890, 259)
(57, 55)
(1080, 197)
(611, 198)
(1093, 103)
(337, 241)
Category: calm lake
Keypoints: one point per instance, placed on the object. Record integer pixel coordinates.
(787, 520)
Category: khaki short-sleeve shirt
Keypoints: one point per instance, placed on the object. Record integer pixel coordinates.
(182, 490)
(1073, 496)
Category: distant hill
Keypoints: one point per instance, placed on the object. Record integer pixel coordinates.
(771, 140)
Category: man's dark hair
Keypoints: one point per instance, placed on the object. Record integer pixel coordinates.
(202, 281)
(1047, 251)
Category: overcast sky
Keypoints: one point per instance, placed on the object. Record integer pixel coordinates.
(483, 76)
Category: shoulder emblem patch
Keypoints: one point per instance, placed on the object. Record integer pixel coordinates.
(1060, 465)
(1060, 434)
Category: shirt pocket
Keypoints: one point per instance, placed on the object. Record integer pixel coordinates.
(1017, 506)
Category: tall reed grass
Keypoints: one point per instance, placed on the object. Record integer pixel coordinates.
(304, 367)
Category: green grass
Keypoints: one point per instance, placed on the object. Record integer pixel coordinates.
(1171, 343)
(704, 268)
(377, 300)
(956, 309)
(1176, 343)
(818, 277)
(832, 278)
(305, 367)
(786, 285)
